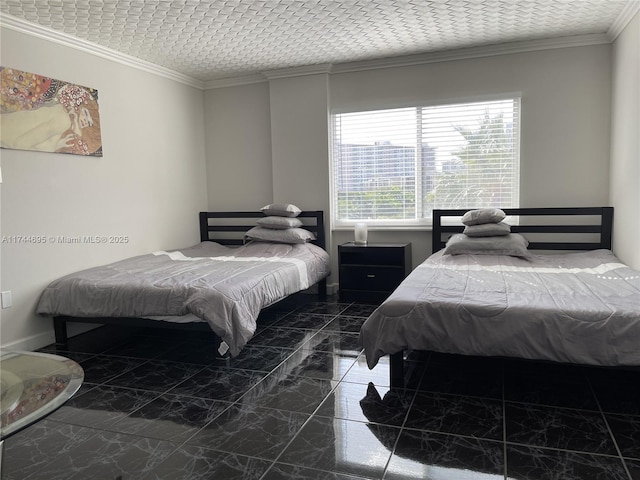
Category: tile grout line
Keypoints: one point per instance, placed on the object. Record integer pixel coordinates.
(272, 372)
(406, 416)
(313, 414)
(504, 423)
(231, 404)
(606, 422)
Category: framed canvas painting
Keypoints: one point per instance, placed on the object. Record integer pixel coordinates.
(48, 115)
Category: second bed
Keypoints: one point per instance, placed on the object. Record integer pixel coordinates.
(580, 307)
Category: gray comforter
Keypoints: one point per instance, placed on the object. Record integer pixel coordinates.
(224, 286)
(577, 308)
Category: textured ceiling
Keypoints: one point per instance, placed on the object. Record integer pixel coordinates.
(215, 39)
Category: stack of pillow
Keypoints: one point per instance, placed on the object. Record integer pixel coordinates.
(280, 225)
(485, 233)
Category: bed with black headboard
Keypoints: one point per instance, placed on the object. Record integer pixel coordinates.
(219, 285)
(565, 298)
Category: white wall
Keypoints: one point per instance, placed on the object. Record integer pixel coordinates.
(300, 140)
(625, 144)
(238, 143)
(566, 104)
(148, 186)
(264, 141)
(565, 112)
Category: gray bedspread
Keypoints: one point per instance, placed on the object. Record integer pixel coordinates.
(576, 308)
(224, 286)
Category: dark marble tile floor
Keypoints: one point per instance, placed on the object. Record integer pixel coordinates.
(299, 402)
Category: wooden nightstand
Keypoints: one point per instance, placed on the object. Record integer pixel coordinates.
(372, 271)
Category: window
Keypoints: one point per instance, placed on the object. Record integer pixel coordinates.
(393, 167)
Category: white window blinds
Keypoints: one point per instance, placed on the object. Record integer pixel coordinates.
(393, 167)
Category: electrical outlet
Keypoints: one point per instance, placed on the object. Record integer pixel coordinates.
(6, 299)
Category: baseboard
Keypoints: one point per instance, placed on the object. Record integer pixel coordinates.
(35, 342)
(332, 289)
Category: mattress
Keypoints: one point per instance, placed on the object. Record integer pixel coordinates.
(224, 286)
(579, 308)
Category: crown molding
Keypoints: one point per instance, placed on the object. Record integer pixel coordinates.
(424, 58)
(297, 71)
(235, 81)
(626, 15)
(268, 75)
(22, 26)
(474, 52)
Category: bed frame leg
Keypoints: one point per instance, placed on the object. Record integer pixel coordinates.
(60, 330)
(322, 289)
(396, 370)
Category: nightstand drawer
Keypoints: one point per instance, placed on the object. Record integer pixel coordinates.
(394, 257)
(372, 278)
(372, 271)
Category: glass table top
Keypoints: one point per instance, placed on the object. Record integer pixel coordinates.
(32, 385)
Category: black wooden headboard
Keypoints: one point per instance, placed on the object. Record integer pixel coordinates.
(597, 220)
(223, 227)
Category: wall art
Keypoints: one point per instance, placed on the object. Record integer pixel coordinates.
(48, 115)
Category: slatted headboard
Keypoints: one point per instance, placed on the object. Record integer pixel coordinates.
(584, 221)
(221, 227)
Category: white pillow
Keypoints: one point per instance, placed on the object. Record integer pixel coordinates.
(281, 210)
(483, 215)
(290, 235)
(487, 230)
(279, 223)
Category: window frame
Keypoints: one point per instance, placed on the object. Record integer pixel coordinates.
(424, 223)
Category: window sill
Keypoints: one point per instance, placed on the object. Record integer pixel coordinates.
(392, 228)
